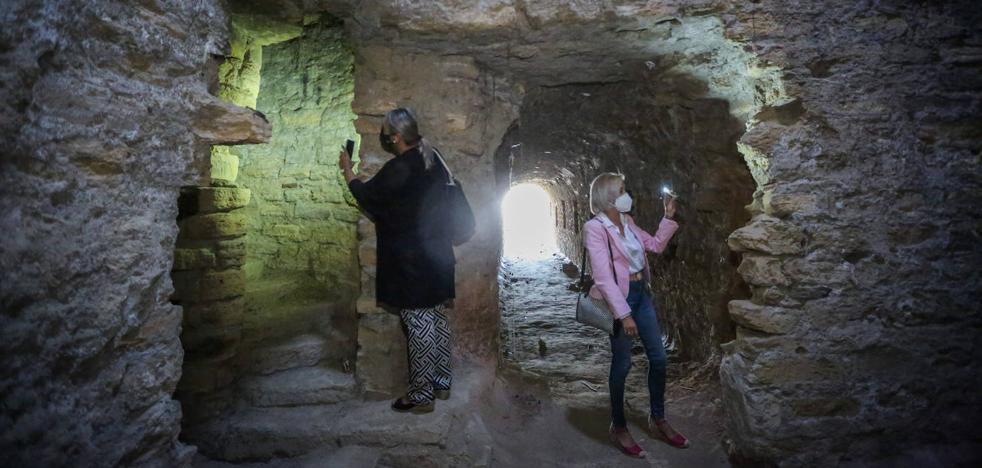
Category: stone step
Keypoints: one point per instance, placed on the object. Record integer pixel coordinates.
(347, 457)
(285, 319)
(278, 432)
(299, 386)
(301, 351)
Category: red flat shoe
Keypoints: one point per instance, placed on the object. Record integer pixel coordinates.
(634, 451)
(678, 440)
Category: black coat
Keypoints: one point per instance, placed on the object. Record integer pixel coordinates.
(415, 256)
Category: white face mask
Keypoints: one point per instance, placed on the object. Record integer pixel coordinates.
(623, 203)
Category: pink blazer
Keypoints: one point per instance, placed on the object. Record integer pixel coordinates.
(595, 240)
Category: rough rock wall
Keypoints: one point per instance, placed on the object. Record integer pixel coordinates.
(655, 135)
(239, 76)
(105, 108)
(300, 222)
(860, 342)
(463, 113)
(209, 285)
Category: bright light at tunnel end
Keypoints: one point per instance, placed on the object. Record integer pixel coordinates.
(528, 224)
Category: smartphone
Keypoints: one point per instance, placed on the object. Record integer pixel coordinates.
(349, 146)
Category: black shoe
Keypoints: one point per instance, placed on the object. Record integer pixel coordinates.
(405, 406)
(443, 394)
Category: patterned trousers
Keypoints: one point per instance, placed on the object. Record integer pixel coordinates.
(429, 352)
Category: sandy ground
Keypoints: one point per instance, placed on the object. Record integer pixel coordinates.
(553, 390)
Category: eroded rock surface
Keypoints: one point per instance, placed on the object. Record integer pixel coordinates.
(99, 102)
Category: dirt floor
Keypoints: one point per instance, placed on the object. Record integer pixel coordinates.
(544, 404)
(553, 389)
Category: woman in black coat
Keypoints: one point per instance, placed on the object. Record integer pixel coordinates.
(415, 270)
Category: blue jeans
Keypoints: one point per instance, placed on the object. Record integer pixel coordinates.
(643, 313)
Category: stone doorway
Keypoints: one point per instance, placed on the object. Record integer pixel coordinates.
(266, 266)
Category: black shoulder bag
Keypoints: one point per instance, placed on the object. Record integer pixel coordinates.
(458, 210)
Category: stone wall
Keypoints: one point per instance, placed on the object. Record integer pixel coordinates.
(656, 135)
(238, 77)
(105, 114)
(858, 343)
(209, 285)
(301, 266)
(300, 221)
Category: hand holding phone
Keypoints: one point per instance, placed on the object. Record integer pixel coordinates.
(344, 159)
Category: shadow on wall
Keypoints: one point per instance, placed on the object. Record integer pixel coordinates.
(657, 131)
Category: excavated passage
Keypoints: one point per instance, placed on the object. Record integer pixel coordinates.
(858, 122)
(657, 135)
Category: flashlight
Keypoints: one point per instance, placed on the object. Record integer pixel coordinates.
(669, 192)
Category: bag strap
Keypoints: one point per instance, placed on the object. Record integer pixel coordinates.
(439, 157)
(609, 252)
(583, 267)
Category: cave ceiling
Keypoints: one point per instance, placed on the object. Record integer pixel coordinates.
(554, 43)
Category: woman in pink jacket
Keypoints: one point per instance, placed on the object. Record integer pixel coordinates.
(616, 248)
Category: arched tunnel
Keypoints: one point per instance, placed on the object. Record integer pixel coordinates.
(189, 280)
(658, 137)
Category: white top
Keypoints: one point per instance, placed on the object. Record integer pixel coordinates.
(633, 247)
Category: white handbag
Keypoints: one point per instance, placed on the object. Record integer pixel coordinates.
(589, 310)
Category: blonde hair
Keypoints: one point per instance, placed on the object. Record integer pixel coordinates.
(403, 121)
(604, 189)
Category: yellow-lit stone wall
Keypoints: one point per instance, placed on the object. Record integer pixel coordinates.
(299, 220)
(267, 252)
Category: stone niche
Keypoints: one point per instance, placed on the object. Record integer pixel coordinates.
(657, 135)
(266, 265)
